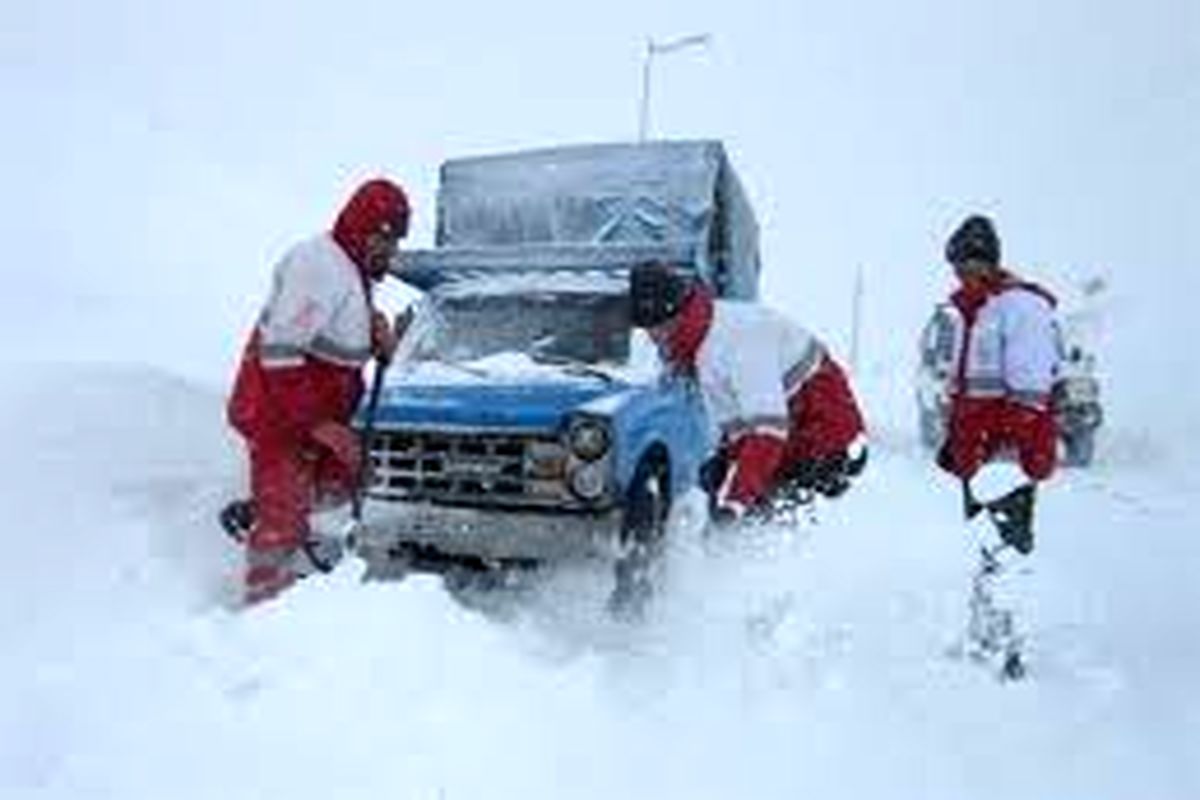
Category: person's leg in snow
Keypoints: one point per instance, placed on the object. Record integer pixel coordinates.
(332, 485)
(995, 611)
(237, 518)
(281, 484)
(285, 482)
(999, 507)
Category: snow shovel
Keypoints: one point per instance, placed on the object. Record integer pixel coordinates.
(354, 529)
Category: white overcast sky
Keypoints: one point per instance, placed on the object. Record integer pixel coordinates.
(158, 156)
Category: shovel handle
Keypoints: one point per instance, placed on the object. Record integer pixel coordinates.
(368, 430)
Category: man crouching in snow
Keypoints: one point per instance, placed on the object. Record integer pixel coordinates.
(1001, 436)
(300, 379)
(788, 421)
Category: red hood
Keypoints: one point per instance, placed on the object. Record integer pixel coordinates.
(375, 202)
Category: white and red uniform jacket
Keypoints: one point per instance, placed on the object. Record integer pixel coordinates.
(1005, 363)
(303, 363)
(776, 395)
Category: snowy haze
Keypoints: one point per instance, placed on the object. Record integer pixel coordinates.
(157, 159)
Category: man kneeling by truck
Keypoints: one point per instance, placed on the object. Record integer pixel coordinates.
(788, 422)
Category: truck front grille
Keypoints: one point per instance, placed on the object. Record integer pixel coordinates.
(470, 468)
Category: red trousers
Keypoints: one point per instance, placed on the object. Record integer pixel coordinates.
(983, 428)
(286, 480)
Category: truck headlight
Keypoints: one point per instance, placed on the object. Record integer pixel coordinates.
(588, 439)
(588, 480)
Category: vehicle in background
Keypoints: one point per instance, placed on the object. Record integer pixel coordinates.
(935, 361)
(1076, 399)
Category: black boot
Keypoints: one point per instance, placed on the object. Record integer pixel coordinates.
(237, 518)
(1014, 667)
(1012, 515)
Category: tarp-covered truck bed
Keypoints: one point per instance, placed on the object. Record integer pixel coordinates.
(600, 205)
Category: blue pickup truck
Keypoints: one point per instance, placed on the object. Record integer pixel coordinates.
(523, 421)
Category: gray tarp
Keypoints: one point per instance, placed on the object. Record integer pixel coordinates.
(682, 197)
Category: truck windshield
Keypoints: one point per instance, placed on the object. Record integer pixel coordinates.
(592, 328)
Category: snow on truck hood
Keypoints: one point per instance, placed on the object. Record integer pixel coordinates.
(508, 369)
(503, 390)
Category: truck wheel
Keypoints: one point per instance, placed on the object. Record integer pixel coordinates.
(1079, 449)
(643, 534)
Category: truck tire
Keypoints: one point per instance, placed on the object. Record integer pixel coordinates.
(643, 534)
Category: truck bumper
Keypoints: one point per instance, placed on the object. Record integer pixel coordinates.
(488, 534)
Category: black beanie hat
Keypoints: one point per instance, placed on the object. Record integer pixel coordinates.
(656, 293)
(975, 238)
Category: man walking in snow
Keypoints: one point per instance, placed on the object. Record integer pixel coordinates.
(787, 418)
(1001, 437)
(300, 379)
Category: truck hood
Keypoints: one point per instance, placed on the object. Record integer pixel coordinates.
(492, 405)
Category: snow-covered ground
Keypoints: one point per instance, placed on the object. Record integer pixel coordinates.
(803, 661)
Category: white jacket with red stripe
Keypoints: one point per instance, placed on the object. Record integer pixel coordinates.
(1011, 350)
(318, 307)
(303, 363)
(752, 360)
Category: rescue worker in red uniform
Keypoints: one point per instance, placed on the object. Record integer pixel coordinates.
(1001, 438)
(300, 379)
(1004, 365)
(786, 418)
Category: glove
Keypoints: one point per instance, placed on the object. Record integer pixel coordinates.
(831, 484)
(339, 443)
(831, 476)
(383, 338)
